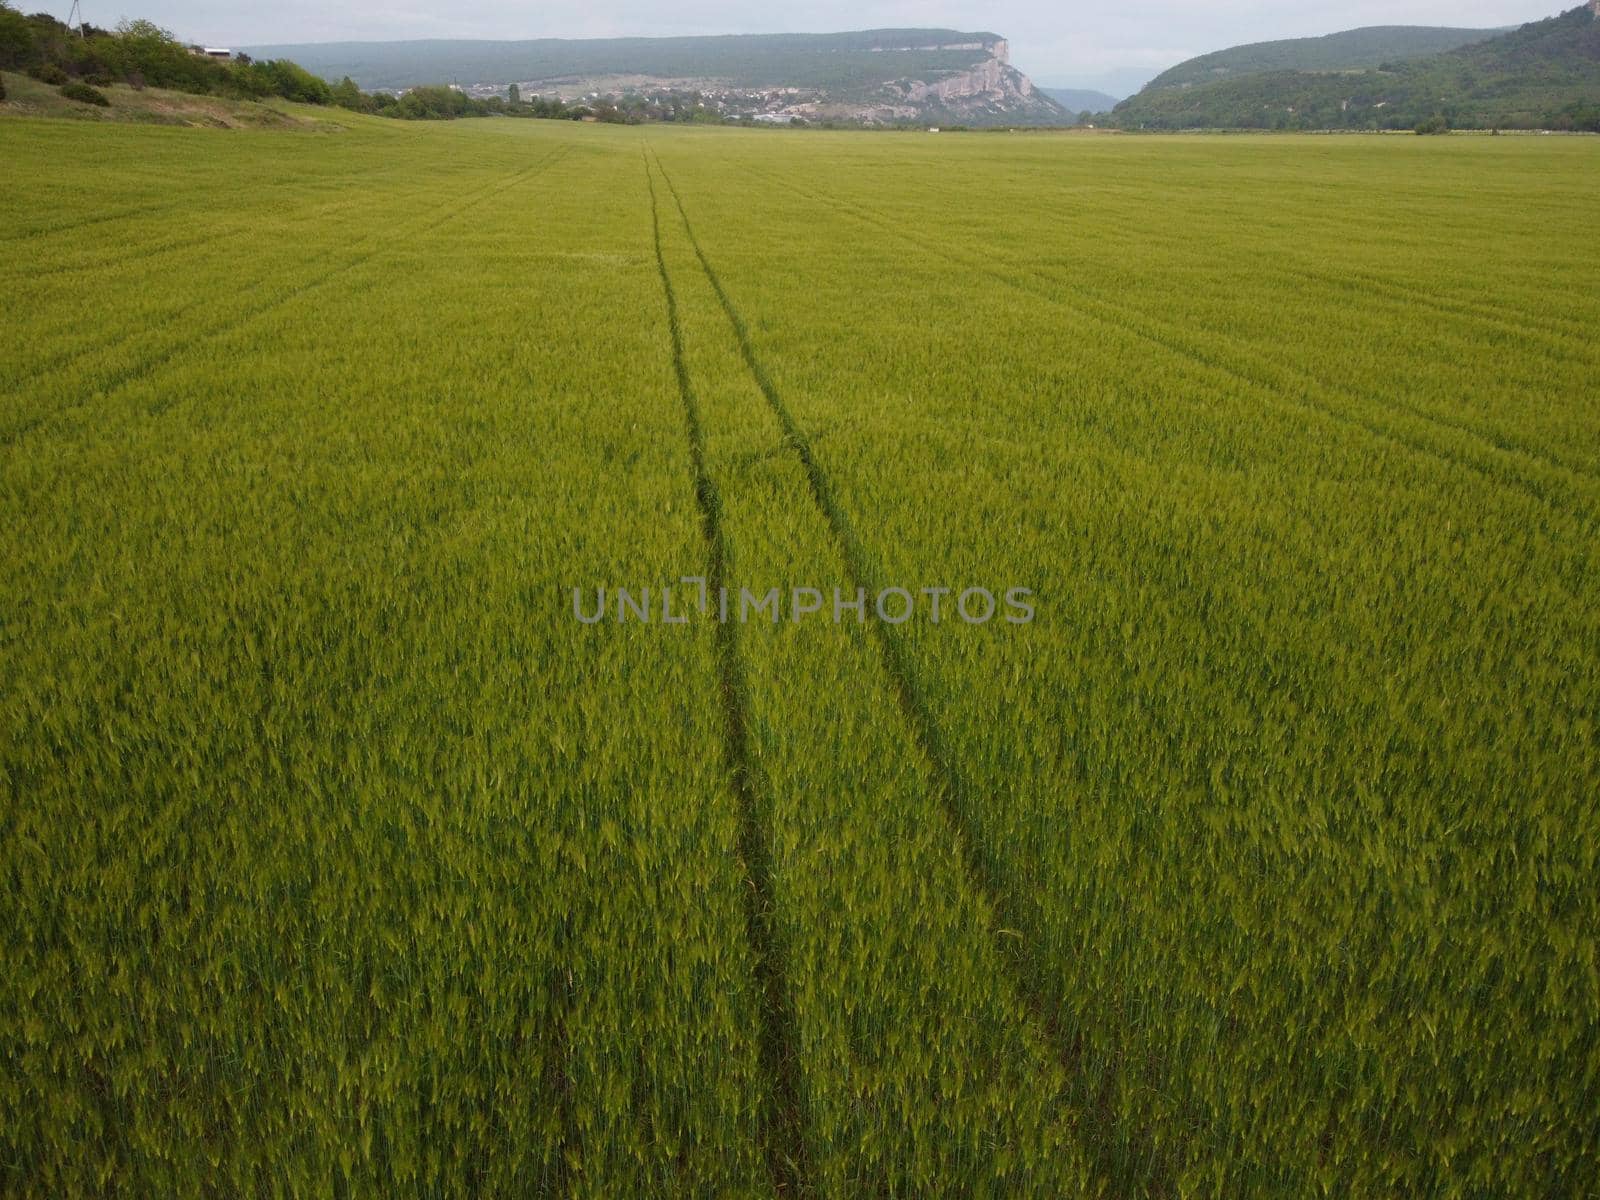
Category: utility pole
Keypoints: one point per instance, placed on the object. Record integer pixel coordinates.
(77, 12)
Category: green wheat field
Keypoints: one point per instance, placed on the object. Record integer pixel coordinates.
(337, 857)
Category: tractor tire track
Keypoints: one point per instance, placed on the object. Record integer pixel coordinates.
(1034, 985)
(126, 213)
(71, 355)
(122, 214)
(109, 385)
(154, 250)
(1557, 338)
(1166, 334)
(63, 360)
(172, 245)
(779, 1037)
(1556, 329)
(1129, 321)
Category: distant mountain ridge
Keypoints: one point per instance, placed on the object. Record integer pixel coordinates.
(1077, 100)
(873, 75)
(1543, 75)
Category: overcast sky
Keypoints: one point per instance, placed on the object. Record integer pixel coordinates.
(1068, 44)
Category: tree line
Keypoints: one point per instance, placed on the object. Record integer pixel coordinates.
(140, 53)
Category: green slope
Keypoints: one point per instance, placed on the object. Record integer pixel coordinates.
(1544, 75)
(1353, 49)
(28, 97)
(839, 61)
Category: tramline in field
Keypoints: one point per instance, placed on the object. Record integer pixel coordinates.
(343, 851)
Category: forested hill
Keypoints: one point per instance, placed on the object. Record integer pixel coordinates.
(1545, 75)
(1354, 49)
(843, 62)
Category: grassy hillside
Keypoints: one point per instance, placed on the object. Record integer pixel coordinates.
(339, 856)
(1543, 75)
(27, 97)
(1353, 49)
(845, 62)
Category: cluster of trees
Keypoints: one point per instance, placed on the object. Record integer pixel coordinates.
(447, 103)
(439, 103)
(665, 106)
(142, 54)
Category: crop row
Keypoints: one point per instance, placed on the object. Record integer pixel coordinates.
(1289, 783)
(339, 854)
(333, 859)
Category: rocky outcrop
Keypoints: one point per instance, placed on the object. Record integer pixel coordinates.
(918, 76)
(987, 77)
(990, 89)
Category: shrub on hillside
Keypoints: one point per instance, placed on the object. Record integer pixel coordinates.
(85, 94)
(436, 102)
(143, 54)
(16, 38)
(280, 77)
(1434, 124)
(346, 94)
(154, 52)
